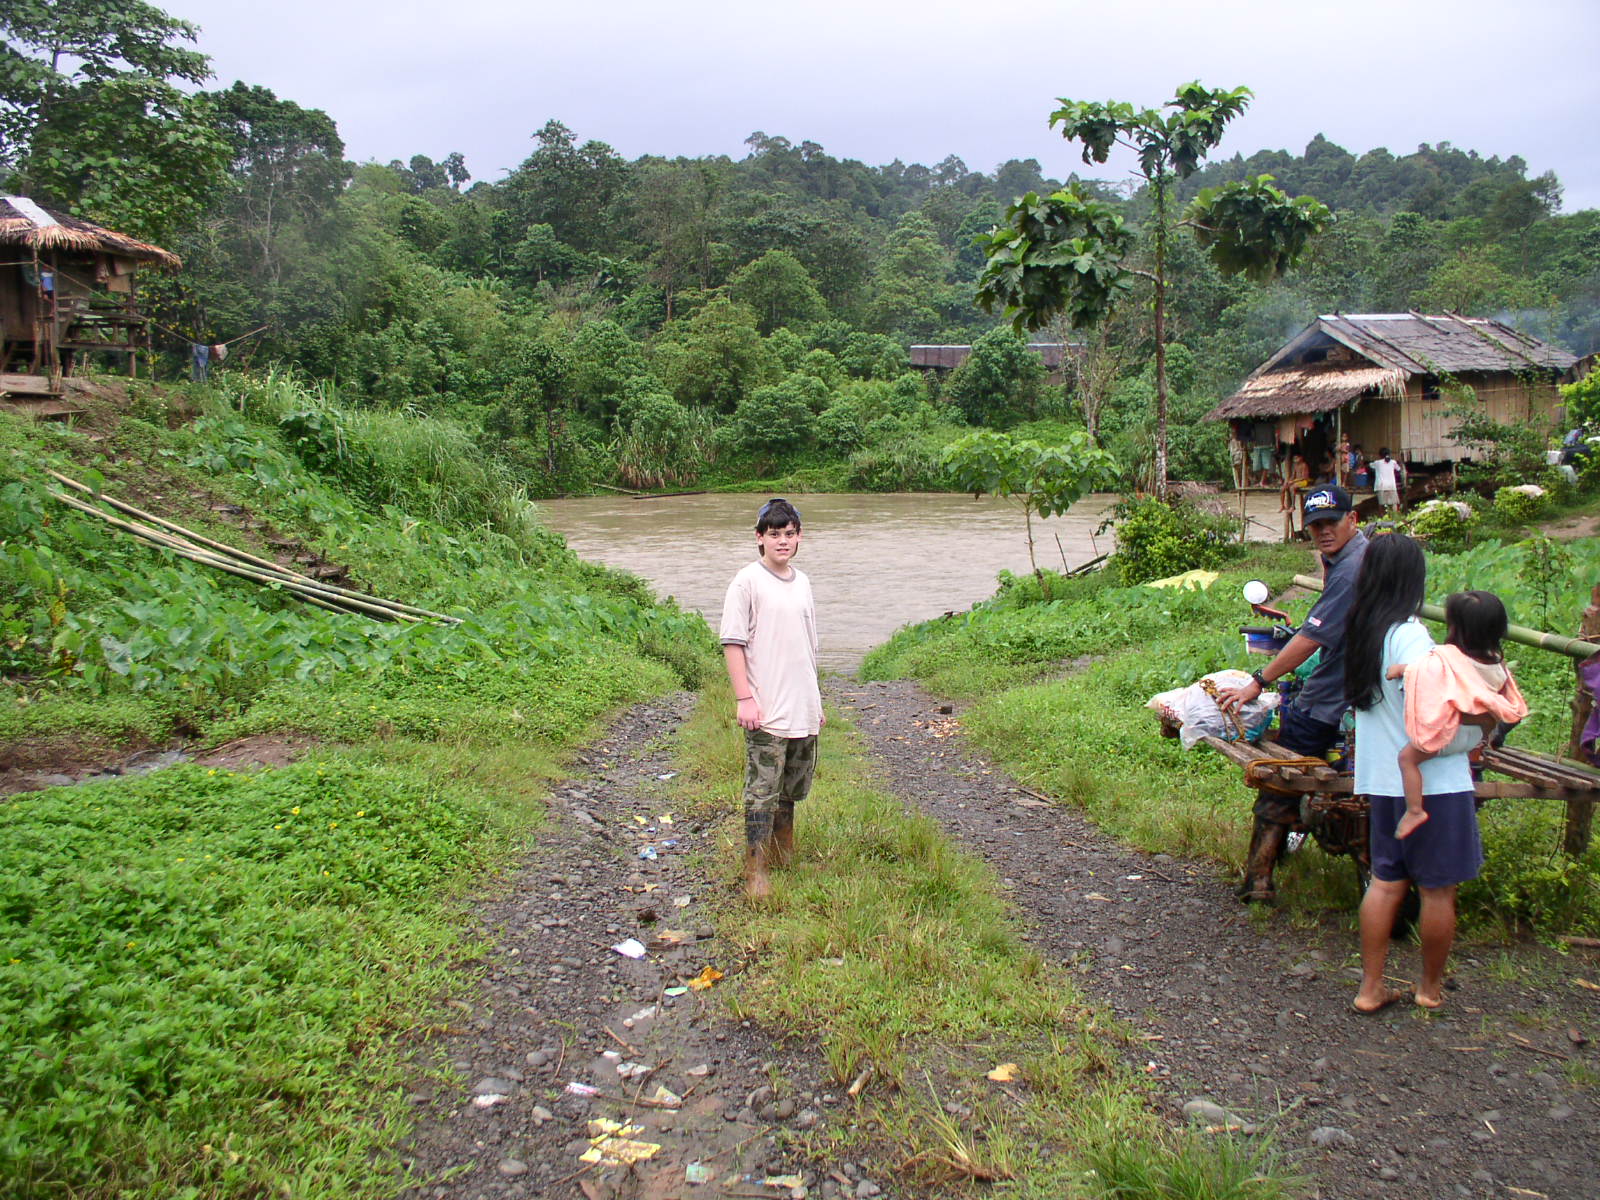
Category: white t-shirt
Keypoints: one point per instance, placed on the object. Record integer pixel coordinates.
(1385, 475)
(1381, 729)
(775, 621)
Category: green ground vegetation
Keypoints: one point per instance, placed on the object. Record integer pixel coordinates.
(1058, 672)
(897, 951)
(205, 973)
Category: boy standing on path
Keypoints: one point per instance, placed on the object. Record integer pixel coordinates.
(769, 640)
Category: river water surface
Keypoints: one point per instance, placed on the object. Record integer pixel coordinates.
(877, 561)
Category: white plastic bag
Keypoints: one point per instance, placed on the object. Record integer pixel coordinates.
(1196, 714)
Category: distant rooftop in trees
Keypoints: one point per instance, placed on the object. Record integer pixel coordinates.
(948, 358)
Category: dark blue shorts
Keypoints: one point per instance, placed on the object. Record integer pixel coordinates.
(1444, 851)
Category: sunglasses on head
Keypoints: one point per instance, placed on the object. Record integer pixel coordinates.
(767, 508)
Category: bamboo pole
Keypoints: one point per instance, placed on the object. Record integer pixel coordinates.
(328, 596)
(200, 539)
(1520, 634)
(282, 573)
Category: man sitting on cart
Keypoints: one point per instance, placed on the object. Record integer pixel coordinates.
(1309, 723)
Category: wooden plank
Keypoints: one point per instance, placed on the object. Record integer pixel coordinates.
(30, 385)
(1525, 764)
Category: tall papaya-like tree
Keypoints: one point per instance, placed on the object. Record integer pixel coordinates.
(1069, 254)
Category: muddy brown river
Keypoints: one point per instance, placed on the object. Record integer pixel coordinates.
(876, 561)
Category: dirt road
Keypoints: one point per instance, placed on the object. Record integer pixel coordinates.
(1493, 1097)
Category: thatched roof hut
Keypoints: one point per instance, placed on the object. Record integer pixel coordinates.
(66, 288)
(24, 223)
(1380, 379)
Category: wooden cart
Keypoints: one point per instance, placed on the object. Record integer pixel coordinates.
(1337, 818)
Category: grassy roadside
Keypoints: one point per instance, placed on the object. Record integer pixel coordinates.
(1058, 686)
(207, 977)
(895, 950)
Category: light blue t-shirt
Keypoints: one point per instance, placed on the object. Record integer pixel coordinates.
(1381, 729)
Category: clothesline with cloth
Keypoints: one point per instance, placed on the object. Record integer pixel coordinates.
(203, 353)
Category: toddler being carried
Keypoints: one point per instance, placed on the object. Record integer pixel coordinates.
(1465, 677)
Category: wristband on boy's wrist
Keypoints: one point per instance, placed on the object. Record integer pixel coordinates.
(742, 699)
(1261, 680)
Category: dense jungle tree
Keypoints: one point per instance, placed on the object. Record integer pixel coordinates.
(1067, 252)
(1000, 382)
(780, 291)
(93, 115)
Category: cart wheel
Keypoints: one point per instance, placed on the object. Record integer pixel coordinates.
(1363, 871)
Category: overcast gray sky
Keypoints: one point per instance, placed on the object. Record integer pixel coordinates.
(883, 79)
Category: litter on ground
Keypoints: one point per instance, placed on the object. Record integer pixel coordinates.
(707, 977)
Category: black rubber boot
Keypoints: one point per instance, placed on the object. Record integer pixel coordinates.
(1266, 847)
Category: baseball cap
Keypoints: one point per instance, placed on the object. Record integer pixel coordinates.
(1327, 503)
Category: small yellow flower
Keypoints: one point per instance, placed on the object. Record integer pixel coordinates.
(295, 810)
(362, 813)
(333, 824)
(279, 825)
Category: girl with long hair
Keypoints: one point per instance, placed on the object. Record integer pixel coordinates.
(1384, 632)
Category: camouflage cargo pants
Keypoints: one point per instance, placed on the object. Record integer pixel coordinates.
(777, 770)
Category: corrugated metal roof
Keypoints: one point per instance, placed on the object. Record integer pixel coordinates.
(1422, 344)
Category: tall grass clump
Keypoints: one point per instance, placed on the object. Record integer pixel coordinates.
(428, 466)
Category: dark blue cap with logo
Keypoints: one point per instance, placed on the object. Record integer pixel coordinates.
(1327, 504)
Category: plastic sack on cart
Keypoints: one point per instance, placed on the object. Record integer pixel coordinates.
(1196, 714)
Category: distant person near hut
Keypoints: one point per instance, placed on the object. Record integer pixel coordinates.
(1388, 477)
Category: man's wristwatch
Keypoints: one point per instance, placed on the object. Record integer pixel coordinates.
(1261, 680)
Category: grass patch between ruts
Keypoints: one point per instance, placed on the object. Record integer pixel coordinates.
(893, 948)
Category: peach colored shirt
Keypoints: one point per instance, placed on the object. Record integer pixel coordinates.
(1447, 683)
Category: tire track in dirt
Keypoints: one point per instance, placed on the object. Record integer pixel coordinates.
(551, 1003)
(1492, 1097)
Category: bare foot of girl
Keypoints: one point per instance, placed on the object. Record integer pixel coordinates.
(1410, 823)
